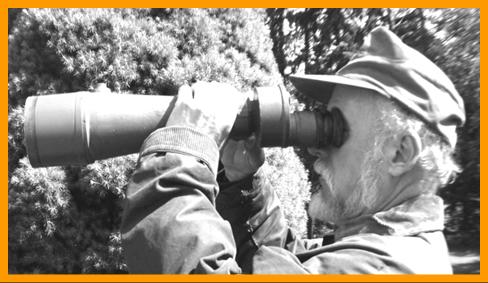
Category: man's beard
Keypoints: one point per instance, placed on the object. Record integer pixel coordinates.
(325, 205)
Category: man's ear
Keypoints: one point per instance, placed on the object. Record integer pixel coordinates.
(402, 154)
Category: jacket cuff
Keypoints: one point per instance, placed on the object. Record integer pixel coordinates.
(184, 140)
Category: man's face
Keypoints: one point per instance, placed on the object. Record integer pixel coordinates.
(350, 176)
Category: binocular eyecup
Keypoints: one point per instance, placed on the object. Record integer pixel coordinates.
(267, 115)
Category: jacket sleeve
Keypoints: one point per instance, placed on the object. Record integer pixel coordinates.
(254, 211)
(170, 224)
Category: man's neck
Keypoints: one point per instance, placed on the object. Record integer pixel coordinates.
(402, 188)
(424, 212)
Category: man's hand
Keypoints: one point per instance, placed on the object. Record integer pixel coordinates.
(241, 158)
(210, 108)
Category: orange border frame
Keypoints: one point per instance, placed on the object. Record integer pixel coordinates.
(5, 277)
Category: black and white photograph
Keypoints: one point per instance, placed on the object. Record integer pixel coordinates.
(244, 141)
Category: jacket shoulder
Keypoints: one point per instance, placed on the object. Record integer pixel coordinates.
(425, 253)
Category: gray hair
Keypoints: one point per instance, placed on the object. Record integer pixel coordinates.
(436, 157)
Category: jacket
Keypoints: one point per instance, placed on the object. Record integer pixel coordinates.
(179, 219)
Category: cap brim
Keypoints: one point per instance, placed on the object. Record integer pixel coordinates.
(320, 87)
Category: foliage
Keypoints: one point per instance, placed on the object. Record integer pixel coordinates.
(66, 219)
(16, 148)
(38, 199)
(459, 30)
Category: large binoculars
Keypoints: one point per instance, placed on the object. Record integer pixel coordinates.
(81, 127)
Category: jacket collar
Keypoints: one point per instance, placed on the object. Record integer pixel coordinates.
(423, 213)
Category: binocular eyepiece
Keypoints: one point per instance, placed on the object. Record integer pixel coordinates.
(79, 128)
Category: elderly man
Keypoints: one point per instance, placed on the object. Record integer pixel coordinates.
(378, 187)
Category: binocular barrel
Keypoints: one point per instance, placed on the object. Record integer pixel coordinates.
(79, 128)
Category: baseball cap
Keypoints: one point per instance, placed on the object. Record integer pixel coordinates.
(391, 68)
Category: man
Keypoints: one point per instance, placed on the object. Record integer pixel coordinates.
(378, 187)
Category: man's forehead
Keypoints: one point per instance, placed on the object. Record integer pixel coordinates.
(359, 106)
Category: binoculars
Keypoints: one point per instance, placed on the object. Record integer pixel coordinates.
(81, 127)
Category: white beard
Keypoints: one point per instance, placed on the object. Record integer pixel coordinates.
(327, 206)
(323, 205)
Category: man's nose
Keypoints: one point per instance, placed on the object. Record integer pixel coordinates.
(317, 152)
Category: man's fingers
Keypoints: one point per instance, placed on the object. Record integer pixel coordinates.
(185, 94)
(208, 107)
(228, 151)
(254, 150)
(250, 142)
(252, 145)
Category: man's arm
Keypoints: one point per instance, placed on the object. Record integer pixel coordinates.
(170, 224)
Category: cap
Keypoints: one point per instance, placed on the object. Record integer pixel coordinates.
(393, 69)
